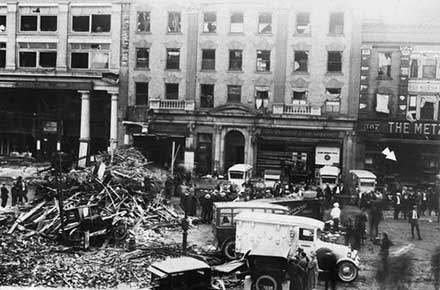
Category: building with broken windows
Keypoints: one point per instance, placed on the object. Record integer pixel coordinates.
(59, 67)
(243, 82)
(399, 101)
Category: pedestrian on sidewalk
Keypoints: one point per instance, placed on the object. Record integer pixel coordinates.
(335, 214)
(414, 221)
(4, 195)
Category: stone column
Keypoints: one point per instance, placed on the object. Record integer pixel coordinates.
(63, 20)
(217, 140)
(11, 27)
(348, 155)
(222, 151)
(114, 122)
(84, 135)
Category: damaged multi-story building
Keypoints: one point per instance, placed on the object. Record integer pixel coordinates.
(59, 68)
(244, 82)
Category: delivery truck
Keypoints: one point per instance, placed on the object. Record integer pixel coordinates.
(271, 240)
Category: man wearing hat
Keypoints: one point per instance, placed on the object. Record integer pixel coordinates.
(206, 202)
(413, 217)
(397, 205)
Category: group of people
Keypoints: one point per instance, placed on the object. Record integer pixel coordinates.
(18, 192)
(303, 271)
(404, 201)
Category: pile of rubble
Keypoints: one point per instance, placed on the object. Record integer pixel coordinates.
(106, 204)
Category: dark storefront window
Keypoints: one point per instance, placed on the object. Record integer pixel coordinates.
(204, 153)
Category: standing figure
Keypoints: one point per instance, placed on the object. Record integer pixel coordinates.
(312, 282)
(359, 230)
(384, 251)
(328, 263)
(14, 194)
(397, 205)
(374, 217)
(335, 214)
(414, 221)
(4, 195)
(206, 203)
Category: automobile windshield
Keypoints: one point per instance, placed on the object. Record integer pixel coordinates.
(235, 175)
(327, 179)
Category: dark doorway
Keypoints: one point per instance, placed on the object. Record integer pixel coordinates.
(234, 148)
(204, 154)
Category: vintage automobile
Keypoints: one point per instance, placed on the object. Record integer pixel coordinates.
(361, 181)
(272, 239)
(328, 175)
(183, 273)
(239, 174)
(224, 221)
(271, 176)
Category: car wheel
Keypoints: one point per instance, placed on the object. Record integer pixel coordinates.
(347, 271)
(229, 250)
(266, 282)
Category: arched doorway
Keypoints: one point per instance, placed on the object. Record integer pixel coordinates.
(234, 148)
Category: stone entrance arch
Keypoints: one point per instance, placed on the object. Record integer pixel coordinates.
(234, 148)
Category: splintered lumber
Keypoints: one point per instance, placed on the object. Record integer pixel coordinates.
(26, 216)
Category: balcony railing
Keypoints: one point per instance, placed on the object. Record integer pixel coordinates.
(296, 109)
(171, 105)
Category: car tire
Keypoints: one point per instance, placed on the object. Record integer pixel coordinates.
(228, 249)
(347, 271)
(267, 281)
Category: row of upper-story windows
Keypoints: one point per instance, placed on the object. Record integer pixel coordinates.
(94, 23)
(263, 60)
(236, 22)
(234, 95)
(44, 55)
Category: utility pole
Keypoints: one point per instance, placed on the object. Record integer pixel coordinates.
(58, 170)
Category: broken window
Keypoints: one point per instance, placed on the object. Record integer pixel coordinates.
(234, 94)
(173, 58)
(48, 59)
(303, 23)
(336, 23)
(301, 61)
(208, 59)
(28, 23)
(142, 57)
(48, 23)
(235, 59)
(143, 22)
(92, 56)
(299, 96)
(141, 94)
(2, 54)
(80, 23)
(429, 68)
(265, 23)
(261, 97)
(263, 60)
(206, 96)
(209, 22)
(333, 100)
(334, 61)
(171, 91)
(28, 58)
(174, 22)
(101, 23)
(237, 22)
(384, 64)
(2, 23)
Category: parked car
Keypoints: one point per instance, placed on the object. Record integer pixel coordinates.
(224, 221)
(271, 176)
(239, 174)
(361, 181)
(183, 273)
(272, 239)
(328, 175)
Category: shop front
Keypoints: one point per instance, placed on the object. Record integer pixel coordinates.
(416, 147)
(298, 153)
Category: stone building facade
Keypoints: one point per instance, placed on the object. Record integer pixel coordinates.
(399, 101)
(243, 82)
(59, 67)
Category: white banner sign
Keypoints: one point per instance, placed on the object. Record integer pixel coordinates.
(327, 155)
